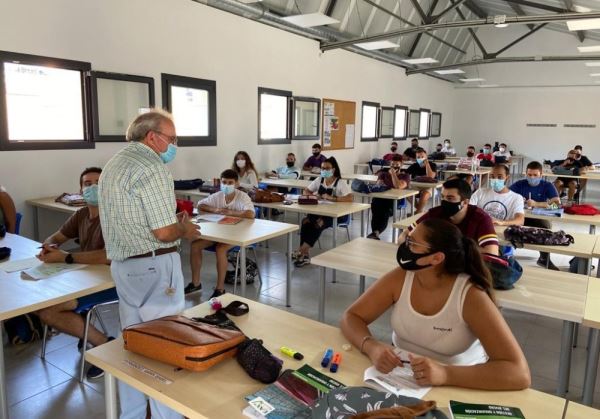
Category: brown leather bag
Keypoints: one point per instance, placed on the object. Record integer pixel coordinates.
(266, 197)
(183, 342)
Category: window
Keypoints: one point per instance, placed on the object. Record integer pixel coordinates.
(369, 122)
(413, 123)
(193, 103)
(42, 103)
(306, 118)
(436, 124)
(116, 100)
(274, 119)
(386, 126)
(424, 123)
(400, 122)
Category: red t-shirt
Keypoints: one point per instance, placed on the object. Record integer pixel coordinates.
(489, 157)
(390, 156)
(477, 225)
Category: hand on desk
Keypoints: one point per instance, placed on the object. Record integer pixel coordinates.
(190, 230)
(51, 254)
(327, 197)
(382, 355)
(427, 371)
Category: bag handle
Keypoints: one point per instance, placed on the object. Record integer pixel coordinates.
(236, 308)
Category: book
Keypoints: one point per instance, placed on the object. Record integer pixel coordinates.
(399, 381)
(229, 220)
(550, 212)
(46, 270)
(461, 410)
(317, 379)
(213, 218)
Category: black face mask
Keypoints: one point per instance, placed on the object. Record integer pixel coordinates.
(394, 148)
(438, 149)
(450, 208)
(470, 154)
(290, 163)
(316, 153)
(407, 259)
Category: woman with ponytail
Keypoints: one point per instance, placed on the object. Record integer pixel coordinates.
(444, 319)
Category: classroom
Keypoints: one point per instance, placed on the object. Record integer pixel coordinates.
(299, 209)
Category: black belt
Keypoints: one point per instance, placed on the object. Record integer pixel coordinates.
(157, 252)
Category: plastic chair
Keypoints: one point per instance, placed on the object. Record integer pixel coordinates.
(344, 222)
(18, 222)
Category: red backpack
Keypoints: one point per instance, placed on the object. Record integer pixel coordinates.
(583, 209)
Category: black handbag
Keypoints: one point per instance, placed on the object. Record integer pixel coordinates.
(258, 361)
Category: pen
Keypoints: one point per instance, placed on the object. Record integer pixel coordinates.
(335, 364)
(291, 353)
(327, 358)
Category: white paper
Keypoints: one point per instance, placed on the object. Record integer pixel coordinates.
(349, 139)
(19, 265)
(292, 197)
(328, 108)
(399, 381)
(327, 125)
(213, 218)
(46, 270)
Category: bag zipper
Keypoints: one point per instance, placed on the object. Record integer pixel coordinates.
(177, 341)
(206, 358)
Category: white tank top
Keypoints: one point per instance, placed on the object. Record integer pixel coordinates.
(445, 336)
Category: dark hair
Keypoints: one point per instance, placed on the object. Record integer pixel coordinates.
(249, 165)
(439, 145)
(487, 145)
(86, 171)
(336, 167)
(415, 139)
(229, 174)
(316, 145)
(394, 142)
(502, 166)
(504, 144)
(462, 253)
(464, 189)
(397, 157)
(420, 150)
(291, 154)
(578, 147)
(471, 146)
(535, 165)
(447, 139)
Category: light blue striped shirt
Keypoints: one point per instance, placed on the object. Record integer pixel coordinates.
(136, 196)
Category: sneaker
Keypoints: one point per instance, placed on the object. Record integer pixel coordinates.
(373, 236)
(302, 261)
(93, 373)
(190, 288)
(296, 255)
(543, 262)
(217, 293)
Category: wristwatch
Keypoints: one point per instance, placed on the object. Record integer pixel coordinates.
(69, 259)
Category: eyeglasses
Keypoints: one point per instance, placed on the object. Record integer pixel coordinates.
(411, 242)
(172, 139)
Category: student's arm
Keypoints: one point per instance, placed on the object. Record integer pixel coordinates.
(208, 208)
(69, 230)
(487, 237)
(289, 174)
(247, 210)
(506, 368)
(518, 220)
(7, 206)
(429, 169)
(342, 193)
(240, 214)
(93, 257)
(312, 188)
(397, 182)
(306, 165)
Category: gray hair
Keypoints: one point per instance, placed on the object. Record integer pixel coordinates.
(149, 121)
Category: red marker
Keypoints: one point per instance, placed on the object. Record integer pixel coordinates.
(337, 360)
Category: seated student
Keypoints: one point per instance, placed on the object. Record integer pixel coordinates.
(585, 162)
(467, 177)
(486, 154)
(8, 213)
(448, 149)
(422, 167)
(473, 222)
(84, 226)
(444, 316)
(410, 153)
(471, 151)
(393, 149)
(381, 209)
(330, 187)
(560, 183)
(313, 163)
(228, 201)
(537, 193)
(503, 153)
(289, 171)
(243, 166)
(503, 205)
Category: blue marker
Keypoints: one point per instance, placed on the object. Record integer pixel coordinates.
(327, 358)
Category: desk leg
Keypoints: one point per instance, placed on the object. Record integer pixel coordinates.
(412, 212)
(243, 269)
(395, 218)
(592, 229)
(583, 266)
(110, 396)
(288, 277)
(3, 399)
(36, 225)
(334, 244)
(362, 217)
(564, 365)
(591, 367)
(322, 277)
(361, 285)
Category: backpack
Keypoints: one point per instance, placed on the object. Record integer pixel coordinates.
(519, 235)
(363, 187)
(188, 184)
(583, 209)
(437, 155)
(505, 270)
(559, 170)
(24, 329)
(378, 162)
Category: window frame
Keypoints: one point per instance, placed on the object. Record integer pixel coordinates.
(381, 110)
(428, 123)
(289, 130)
(439, 134)
(169, 80)
(406, 116)
(362, 120)
(306, 99)
(28, 59)
(94, 76)
(409, 132)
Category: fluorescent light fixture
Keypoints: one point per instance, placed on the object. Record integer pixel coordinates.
(420, 61)
(500, 21)
(249, 1)
(583, 24)
(310, 19)
(451, 71)
(473, 79)
(593, 64)
(595, 75)
(581, 9)
(376, 45)
(591, 48)
(489, 85)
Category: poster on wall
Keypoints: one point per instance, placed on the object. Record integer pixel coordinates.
(349, 137)
(328, 108)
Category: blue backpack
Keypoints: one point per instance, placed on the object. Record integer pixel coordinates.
(23, 329)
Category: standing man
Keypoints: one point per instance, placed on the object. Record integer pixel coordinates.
(142, 233)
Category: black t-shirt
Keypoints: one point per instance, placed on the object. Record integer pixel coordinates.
(410, 152)
(585, 162)
(415, 169)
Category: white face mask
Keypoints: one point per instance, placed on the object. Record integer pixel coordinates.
(240, 163)
(502, 149)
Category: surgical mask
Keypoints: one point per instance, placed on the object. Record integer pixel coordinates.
(407, 259)
(168, 155)
(420, 161)
(326, 173)
(447, 144)
(316, 152)
(290, 163)
(394, 148)
(502, 149)
(240, 163)
(90, 194)
(534, 181)
(450, 208)
(497, 184)
(486, 151)
(470, 154)
(227, 189)
(438, 149)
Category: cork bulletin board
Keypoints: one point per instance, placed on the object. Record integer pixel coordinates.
(339, 124)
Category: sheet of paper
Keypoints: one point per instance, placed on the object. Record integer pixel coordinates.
(292, 197)
(399, 381)
(213, 218)
(19, 265)
(349, 138)
(328, 108)
(46, 270)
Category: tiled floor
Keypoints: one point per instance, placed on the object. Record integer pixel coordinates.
(47, 388)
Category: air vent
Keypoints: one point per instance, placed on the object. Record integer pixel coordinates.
(542, 125)
(579, 125)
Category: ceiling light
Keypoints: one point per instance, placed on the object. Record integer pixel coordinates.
(595, 75)
(500, 21)
(581, 9)
(376, 45)
(420, 61)
(451, 71)
(473, 79)
(249, 1)
(311, 19)
(583, 24)
(591, 48)
(489, 85)
(593, 64)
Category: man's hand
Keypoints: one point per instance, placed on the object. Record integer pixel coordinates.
(190, 230)
(52, 254)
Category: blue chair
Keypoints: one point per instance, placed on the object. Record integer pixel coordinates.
(18, 222)
(344, 222)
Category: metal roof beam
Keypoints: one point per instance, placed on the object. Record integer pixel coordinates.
(419, 10)
(520, 12)
(418, 38)
(519, 39)
(452, 6)
(580, 34)
(538, 6)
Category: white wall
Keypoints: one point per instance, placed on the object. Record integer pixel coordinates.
(147, 37)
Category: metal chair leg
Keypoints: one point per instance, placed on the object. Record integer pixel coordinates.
(257, 267)
(44, 338)
(100, 322)
(348, 232)
(235, 276)
(88, 318)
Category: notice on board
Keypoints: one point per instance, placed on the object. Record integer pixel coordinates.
(328, 108)
(349, 138)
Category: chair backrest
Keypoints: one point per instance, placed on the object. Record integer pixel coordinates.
(345, 220)
(256, 212)
(18, 223)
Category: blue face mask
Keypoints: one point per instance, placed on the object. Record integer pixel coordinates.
(90, 194)
(420, 161)
(326, 173)
(534, 181)
(227, 189)
(486, 151)
(168, 155)
(497, 184)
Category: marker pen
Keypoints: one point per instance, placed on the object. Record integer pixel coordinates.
(327, 358)
(291, 353)
(337, 360)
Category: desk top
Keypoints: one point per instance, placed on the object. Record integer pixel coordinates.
(591, 316)
(346, 176)
(590, 174)
(579, 411)
(333, 209)
(18, 296)
(568, 218)
(425, 185)
(192, 193)
(219, 392)
(390, 194)
(480, 171)
(246, 232)
(49, 203)
(287, 183)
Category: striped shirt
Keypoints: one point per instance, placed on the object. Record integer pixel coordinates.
(136, 196)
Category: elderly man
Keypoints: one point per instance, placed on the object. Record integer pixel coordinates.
(142, 234)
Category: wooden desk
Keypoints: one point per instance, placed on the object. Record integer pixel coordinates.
(49, 204)
(18, 296)
(191, 194)
(287, 183)
(345, 176)
(484, 172)
(219, 392)
(591, 220)
(579, 411)
(554, 294)
(246, 233)
(591, 318)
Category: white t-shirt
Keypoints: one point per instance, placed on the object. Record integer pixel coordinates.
(499, 206)
(240, 202)
(449, 150)
(506, 154)
(249, 180)
(341, 189)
